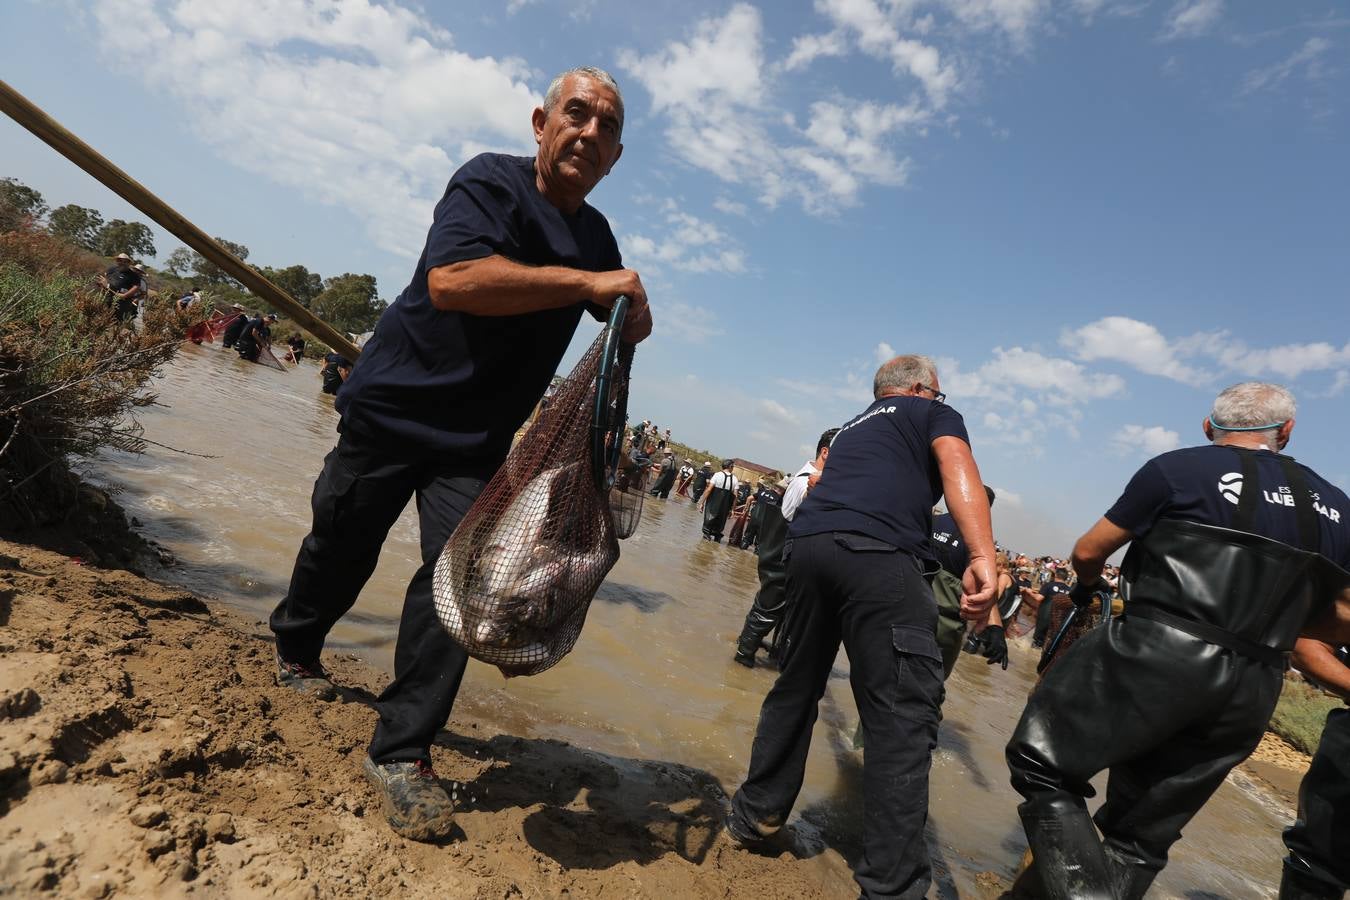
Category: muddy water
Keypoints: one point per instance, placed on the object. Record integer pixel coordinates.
(652, 676)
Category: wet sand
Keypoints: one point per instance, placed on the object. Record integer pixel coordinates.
(146, 752)
(651, 686)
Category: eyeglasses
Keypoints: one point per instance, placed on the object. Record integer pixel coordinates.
(937, 395)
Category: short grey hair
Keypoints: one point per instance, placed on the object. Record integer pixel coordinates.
(1252, 404)
(595, 73)
(902, 373)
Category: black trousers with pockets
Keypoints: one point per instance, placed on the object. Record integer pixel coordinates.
(873, 598)
(358, 496)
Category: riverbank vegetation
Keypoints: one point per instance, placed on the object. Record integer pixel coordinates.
(71, 378)
(1301, 713)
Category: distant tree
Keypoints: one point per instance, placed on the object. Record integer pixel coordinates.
(299, 282)
(76, 224)
(349, 303)
(118, 236)
(18, 204)
(209, 272)
(180, 262)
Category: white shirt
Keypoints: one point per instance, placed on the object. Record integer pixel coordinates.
(796, 491)
(728, 482)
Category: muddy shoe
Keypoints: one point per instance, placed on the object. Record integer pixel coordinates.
(312, 680)
(742, 837)
(413, 801)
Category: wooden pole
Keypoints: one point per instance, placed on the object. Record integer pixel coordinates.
(26, 113)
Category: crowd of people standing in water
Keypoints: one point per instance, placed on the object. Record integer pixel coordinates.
(126, 288)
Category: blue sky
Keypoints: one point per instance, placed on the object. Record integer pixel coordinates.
(1094, 213)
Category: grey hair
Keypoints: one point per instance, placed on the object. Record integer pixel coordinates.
(902, 373)
(595, 73)
(1251, 404)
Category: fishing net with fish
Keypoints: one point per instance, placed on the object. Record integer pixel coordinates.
(515, 580)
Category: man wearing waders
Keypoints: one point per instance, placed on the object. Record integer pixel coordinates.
(513, 259)
(770, 606)
(666, 480)
(854, 574)
(717, 505)
(1234, 549)
(1318, 864)
(701, 479)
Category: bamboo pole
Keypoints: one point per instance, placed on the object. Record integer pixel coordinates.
(26, 113)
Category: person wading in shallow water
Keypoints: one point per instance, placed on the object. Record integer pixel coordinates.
(717, 505)
(854, 575)
(513, 259)
(1234, 550)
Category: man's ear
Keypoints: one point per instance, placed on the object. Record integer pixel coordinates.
(615, 161)
(1208, 429)
(537, 119)
(1286, 430)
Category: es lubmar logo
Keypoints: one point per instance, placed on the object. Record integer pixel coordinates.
(1230, 489)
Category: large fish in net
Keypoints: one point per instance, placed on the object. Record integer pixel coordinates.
(515, 580)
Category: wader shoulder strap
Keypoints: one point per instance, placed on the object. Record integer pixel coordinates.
(1309, 535)
(1245, 517)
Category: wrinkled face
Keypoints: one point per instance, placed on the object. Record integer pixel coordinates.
(579, 138)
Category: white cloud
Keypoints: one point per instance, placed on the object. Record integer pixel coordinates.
(808, 47)
(1016, 372)
(1147, 441)
(1308, 57)
(686, 322)
(714, 90)
(1287, 361)
(777, 413)
(878, 35)
(1191, 18)
(372, 117)
(884, 352)
(689, 244)
(1135, 343)
(1006, 497)
(730, 207)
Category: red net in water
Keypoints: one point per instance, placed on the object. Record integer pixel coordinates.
(515, 580)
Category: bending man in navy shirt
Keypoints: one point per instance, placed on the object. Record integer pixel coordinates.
(854, 574)
(1235, 550)
(514, 256)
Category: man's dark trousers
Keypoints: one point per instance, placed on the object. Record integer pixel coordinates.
(358, 496)
(1319, 842)
(872, 597)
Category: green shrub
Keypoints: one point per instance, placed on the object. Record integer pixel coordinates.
(1301, 713)
(70, 375)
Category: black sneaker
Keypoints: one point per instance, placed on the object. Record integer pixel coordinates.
(741, 837)
(412, 799)
(312, 679)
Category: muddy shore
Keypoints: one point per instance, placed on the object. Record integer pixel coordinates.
(146, 751)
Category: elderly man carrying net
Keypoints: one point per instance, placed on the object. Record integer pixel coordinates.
(514, 256)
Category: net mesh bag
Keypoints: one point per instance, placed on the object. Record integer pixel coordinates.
(515, 580)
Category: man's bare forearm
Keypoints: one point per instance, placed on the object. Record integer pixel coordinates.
(964, 492)
(1318, 661)
(497, 286)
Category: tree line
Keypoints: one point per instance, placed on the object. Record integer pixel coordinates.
(349, 302)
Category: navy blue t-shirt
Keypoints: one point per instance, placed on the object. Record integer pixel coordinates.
(948, 546)
(882, 479)
(1052, 589)
(434, 382)
(1203, 484)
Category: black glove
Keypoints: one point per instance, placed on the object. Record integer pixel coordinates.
(994, 646)
(1082, 594)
